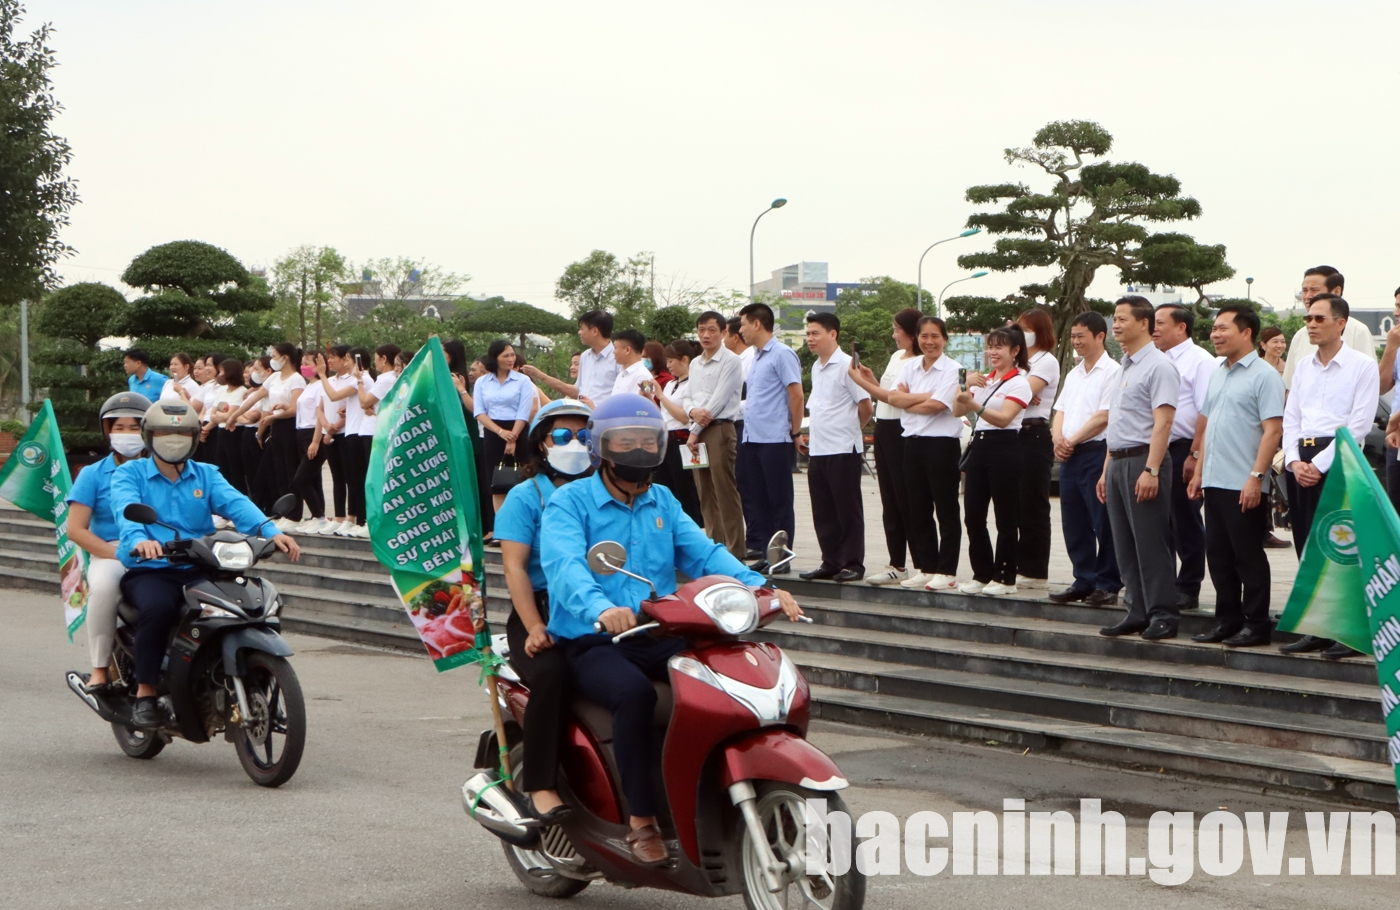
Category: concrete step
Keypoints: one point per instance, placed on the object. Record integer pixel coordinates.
(31, 543)
(45, 579)
(1262, 765)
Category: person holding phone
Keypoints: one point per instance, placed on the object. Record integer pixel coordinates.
(1037, 451)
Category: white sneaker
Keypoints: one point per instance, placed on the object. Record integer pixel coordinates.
(361, 532)
(997, 588)
(331, 528)
(891, 576)
(971, 587)
(917, 580)
(285, 526)
(346, 530)
(941, 583)
(1032, 584)
(312, 526)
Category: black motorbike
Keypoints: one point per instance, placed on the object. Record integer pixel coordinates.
(225, 669)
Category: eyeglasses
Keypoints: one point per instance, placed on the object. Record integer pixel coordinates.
(1318, 318)
(561, 436)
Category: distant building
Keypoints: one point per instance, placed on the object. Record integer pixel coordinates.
(797, 290)
(362, 296)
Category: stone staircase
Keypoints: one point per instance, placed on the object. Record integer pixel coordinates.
(1020, 672)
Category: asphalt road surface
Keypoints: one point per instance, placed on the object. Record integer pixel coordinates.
(373, 818)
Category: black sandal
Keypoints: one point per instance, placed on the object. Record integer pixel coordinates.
(96, 688)
(553, 817)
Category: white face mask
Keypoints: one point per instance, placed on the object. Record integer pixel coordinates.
(257, 377)
(1030, 340)
(571, 459)
(279, 362)
(174, 449)
(127, 445)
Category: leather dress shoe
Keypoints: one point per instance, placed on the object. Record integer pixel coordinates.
(1217, 635)
(1102, 599)
(1272, 542)
(1187, 602)
(1246, 638)
(820, 574)
(1126, 627)
(647, 846)
(1069, 596)
(1339, 651)
(848, 575)
(1306, 644)
(754, 554)
(1159, 631)
(762, 568)
(146, 714)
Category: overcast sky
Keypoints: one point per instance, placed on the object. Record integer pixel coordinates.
(506, 140)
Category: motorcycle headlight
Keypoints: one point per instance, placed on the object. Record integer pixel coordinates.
(233, 555)
(733, 607)
(209, 611)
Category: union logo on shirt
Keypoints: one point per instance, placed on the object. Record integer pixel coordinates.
(198, 494)
(660, 524)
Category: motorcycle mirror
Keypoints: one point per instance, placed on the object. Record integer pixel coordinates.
(606, 557)
(777, 548)
(285, 506)
(141, 513)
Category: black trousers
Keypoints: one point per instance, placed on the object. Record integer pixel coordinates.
(894, 499)
(677, 479)
(259, 477)
(282, 446)
(1239, 567)
(158, 596)
(1302, 501)
(764, 473)
(993, 478)
(483, 484)
(547, 675)
(208, 450)
(229, 451)
(355, 461)
(1187, 529)
(1033, 511)
(335, 458)
(931, 478)
(618, 677)
(838, 510)
(1392, 478)
(306, 481)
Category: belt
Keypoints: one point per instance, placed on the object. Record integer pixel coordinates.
(680, 435)
(1092, 445)
(721, 420)
(989, 434)
(1317, 442)
(1034, 422)
(1128, 452)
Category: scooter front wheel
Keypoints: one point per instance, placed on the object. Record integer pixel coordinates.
(273, 736)
(530, 866)
(138, 743)
(781, 811)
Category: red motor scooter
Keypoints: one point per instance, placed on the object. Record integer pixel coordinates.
(736, 768)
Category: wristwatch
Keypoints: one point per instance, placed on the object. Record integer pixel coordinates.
(1196, 455)
(1257, 475)
(1153, 471)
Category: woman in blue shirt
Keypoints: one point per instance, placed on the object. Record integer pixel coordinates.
(556, 455)
(503, 401)
(93, 526)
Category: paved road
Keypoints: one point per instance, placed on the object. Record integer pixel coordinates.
(372, 819)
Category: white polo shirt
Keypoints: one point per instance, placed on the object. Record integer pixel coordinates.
(1086, 393)
(629, 380)
(596, 373)
(1195, 367)
(1045, 367)
(1009, 386)
(940, 380)
(834, 408)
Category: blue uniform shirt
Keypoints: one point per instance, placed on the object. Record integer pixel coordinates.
(93, 488)
(520, 517)
(189, 505)
(659, 537)
(150, 386)
(767, 413)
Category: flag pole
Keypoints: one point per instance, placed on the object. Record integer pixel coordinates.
(493, 691)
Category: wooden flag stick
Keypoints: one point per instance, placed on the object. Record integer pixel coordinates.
(493, 692)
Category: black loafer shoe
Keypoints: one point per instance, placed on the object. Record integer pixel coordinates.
(1339, 651)
(783, 569)
(754, 554)
(848, 575)
(548, 819)
(1102, 599)
(821, 574)
(1159, 631)
(1187, 602)
(1069, 596)
(1246, 639)
(1215, 636)
(1126, 627)
(146, 714)
(1308, 644)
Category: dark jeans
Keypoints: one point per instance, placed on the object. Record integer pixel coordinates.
(159, 596)
(1239, 567)
(764, 472)
(993, 478)
(894, 499)
(1188, 530)
(677, 479)
(307, 479)
(618, 677)
(931, 478)
(1302, 501)
(547, 675)
(1033, 513)
(838, 512)
(1084, 521)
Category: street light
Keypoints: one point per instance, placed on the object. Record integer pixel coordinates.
(1249, 289)
(938, 307)
(775, 204)
(967, 233)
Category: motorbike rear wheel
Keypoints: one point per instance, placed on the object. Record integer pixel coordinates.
(138, 743)
(530, 866)
(278, 717)
(781, 809)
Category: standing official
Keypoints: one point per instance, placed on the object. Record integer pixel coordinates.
(1137, 477)
(1238, 432)
(597, 367)
(1324, 279)
(711, 400)
(835, 443)
(772, 424)
(633, 377)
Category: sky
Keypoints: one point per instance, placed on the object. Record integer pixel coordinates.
(506, 140)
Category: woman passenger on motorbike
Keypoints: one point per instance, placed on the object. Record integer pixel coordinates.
(93, 526)
(557, 454)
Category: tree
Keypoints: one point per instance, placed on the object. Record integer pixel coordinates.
(1092, 215)
(307, 282)
(76, 375)
(83, 312)
(401, 278)
(504, 317)
(670, 323)
(601, 282)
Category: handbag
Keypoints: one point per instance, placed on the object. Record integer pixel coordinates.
(504, 477)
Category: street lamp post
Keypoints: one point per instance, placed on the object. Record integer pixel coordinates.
(775, 204)
(967, 233)
(24, 358)
(1249, 289)
(938, 306)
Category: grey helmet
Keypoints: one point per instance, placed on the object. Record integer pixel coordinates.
(181, 424)
(124, 404)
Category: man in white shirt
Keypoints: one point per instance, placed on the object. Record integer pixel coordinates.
(1172, 335)
(712, 399)
(838, 410)
(1334, 387)
(1323, 279)
(597, 368)
(1078, 431)
(633, 377)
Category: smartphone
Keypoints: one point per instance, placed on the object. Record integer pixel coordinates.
(962, 378)
(358, 362)
(855, 354)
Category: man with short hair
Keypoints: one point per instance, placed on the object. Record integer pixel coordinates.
(633, 377)
(140, 378)
(1323, 279)
(1137, 475)
(1237, 433)
(1172, 335)
(597, 368)
(1077, 430)
(835, 444)
(712, 399)
(1333, 387)
(772, 424)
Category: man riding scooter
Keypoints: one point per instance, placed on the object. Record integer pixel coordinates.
(627, 437)
(186, 495)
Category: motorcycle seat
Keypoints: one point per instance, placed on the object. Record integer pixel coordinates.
(598, 719)
(128, 613)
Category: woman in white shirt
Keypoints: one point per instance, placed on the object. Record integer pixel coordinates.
(247, 422)
(370, 392)
(182, 384)
(670, 474)
(228, 397)
(333, 372)
(311, 457)
(993, 463)
(277, 428)
(1037, 451)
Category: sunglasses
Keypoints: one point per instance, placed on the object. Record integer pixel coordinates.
(561, 436)
(1312, 317)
